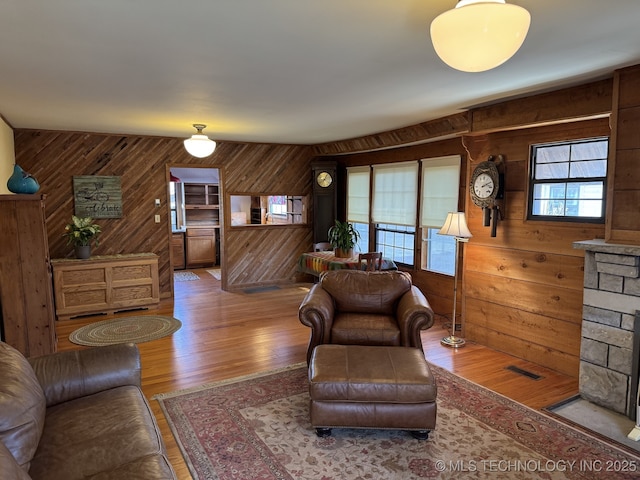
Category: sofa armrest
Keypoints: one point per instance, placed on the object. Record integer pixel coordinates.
(68, 375)
(413, 314)
(317, 311)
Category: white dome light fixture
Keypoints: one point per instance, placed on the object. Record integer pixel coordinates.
(478, 35)
(199, 145)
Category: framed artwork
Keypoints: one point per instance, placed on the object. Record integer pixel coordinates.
(97, 196)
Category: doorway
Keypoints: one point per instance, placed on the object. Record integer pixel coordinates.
(196, 216)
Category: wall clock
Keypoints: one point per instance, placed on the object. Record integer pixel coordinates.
(487, 186)
(485, 183)
(324, 179)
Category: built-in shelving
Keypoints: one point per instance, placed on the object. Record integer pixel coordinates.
(202, 204)
(295, 210)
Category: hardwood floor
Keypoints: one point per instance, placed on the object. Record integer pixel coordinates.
(225, 335)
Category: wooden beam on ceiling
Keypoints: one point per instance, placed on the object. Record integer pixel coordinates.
(438, 129)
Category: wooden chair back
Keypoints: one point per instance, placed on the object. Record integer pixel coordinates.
(322, 247)
(373, 261)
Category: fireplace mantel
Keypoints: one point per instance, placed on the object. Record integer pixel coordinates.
(601, 246)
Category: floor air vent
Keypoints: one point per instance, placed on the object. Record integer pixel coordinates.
(520, 371)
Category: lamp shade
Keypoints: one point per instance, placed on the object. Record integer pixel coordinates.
(455, 225)
(199, 145)
(479, 35)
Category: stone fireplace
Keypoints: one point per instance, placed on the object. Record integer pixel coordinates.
(610, 348)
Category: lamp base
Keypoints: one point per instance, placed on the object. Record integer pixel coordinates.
(452, 341)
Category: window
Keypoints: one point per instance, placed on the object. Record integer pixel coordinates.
(396, 242)
(176, 205)
(277, 205)
(438, 252)
(358, 203)
(395, 202)
(266, 209)
(395, 192)
(395, 198)
(363, 230)
(568, 181)
(440, 188)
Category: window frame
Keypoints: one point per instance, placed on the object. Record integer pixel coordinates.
(532, 182)
(428, 230)
(388, 229)
(383, 217)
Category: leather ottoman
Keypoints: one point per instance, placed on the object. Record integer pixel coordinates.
(355, 386)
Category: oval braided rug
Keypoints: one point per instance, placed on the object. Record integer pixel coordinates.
(135, 329)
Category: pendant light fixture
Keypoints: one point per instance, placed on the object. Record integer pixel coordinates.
(479, 35)
(199, 145)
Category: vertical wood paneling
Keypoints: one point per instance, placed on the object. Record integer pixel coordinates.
(623, 195)
(26, 299)
(55, 157)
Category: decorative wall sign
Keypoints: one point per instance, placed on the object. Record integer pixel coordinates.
(97, 196)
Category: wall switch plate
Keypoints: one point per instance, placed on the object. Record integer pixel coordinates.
(157, 218)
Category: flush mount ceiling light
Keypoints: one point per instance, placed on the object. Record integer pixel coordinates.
(479, 35)
(199, 145)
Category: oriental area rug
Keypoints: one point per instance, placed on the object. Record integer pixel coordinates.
(134, 329)
(258, 428)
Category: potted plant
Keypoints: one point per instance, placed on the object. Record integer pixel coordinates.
(343, 237)
(80, 233)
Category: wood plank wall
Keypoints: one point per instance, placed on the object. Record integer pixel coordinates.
(453, 125)
(523, 288)
(266, 255)
(623, 219)
(55, 157)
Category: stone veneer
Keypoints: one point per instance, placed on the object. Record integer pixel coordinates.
(610, 325)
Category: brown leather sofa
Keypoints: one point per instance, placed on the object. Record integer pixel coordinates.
(351, 307)
(79, 414)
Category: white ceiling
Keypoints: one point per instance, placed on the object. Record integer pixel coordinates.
(278, 71)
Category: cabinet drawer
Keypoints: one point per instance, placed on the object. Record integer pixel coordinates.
(83, 276)
(131, 272)
(177, 249)
(200, 232)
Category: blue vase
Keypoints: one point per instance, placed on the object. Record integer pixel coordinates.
(22, 182)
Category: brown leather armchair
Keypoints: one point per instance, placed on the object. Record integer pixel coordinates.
(351, 307)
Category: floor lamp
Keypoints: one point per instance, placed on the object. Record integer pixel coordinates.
(455, 226)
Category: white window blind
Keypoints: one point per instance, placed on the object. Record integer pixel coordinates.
(395, 193)
(358, 194)
(440, 187)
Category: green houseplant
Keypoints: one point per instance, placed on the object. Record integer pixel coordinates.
(343, 237)
(80, 233)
